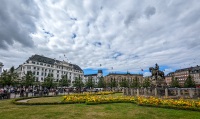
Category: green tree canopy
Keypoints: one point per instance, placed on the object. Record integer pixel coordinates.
(29, 79)
(49, 82)
(112, 83)
(78, 83)
(101, 83)
(90, 83)
(9, 78)
(64, 81)
(123, 83)
(175, 82)
(146, 83)
(135, 83)
(189, 83)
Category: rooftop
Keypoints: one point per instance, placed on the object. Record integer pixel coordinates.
(90, 75)
(1, 64)
(125, 74)
(43, 59)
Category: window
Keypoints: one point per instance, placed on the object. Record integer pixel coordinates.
(42, 73)
(38, 68)
(33, 62)
(36, 79)
(37, 73)
(57, 71)
(42, 79)
(34, 68)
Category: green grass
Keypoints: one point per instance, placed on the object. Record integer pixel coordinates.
(83, 111)
(46, 99)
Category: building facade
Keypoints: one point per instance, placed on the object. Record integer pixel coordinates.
(1, 67)
(168, 78)
(195, 73)
(94, 77)
(182, 74)
(41, 66)
(117, 77)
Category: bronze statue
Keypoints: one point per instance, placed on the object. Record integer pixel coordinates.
(156, 72)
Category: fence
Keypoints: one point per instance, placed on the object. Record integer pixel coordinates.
(163, 92)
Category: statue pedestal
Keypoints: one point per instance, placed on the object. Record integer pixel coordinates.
(159, 83)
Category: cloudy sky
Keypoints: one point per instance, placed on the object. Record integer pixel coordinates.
(121, 35)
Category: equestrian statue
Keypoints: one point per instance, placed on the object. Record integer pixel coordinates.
(157, 76)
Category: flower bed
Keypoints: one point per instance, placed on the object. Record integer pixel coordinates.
(98, 98)
(169, 103)
(104, 97)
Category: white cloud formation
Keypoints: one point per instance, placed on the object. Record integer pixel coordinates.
(126, 35)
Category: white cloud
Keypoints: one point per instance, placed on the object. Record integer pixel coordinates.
(129, 35)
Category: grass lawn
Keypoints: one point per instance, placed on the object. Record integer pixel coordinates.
(82, 111)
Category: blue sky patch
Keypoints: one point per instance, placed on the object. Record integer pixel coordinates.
(98, 44)
(73, 35)
(116, 54)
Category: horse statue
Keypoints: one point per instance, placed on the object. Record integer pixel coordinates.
(156, 72)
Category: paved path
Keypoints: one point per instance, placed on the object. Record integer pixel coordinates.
(25, 100)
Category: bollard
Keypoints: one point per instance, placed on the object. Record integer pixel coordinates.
(191, 93)
(183, 91)
(156, 92)
(131, 92)
(166, 92)
(138, 93)
(179, 92)
(145, 91)
(123, 90)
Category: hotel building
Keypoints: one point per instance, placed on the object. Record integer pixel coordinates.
(41, 66)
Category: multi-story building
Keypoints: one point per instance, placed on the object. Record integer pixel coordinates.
(1, 67)
(182, 74)
(118, 77)
(41, 66)
(168, 78)
(195, 73)
(94, 77)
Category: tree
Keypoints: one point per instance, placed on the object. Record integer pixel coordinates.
(175, 82)
(112, 83)
(135, 83)
(123, 83)
(29, 79)
(189, 83)
(146, 83)
(64, 81)
(49, 81)
(9, 78)
(4, 78)
(78, 83)
(101, 83)
(90, 83)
